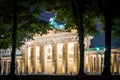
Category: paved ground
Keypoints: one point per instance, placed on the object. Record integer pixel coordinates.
(54, 77)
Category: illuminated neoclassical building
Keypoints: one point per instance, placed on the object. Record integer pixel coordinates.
(53, 53)
(58, 53)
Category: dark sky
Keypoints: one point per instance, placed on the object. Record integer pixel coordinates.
(47, 16)
(97, 41)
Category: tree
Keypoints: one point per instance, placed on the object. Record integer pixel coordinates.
(75, 12)
(76, 17)
(22, 15)
(116, 28)
(108, 26)
(106, 6)
(28, 22)
(107, 12)
(14, 37)
(116, 18)
(110, 13)
(79, 23)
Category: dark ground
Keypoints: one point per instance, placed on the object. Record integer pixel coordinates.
(54, 77)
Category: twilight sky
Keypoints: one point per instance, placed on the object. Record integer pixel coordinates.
(99, 41)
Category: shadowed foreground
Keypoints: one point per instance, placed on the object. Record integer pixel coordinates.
(54, 77)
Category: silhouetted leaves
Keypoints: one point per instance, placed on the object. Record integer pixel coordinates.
(28, 21)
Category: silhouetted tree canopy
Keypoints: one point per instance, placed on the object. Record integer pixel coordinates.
(64, 12)
(115, 11)
(28, 21)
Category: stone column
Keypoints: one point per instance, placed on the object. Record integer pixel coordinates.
(35, 59)
(91, 64)
(59, 57)
(112, 63)
(86, 63)
(95, 64)
(7, 67)
(70, 57)
(37, 65)
(64, 70)
(29, 52)
(54, 67)
(18, 67)
(21, 66)
(2, 66)
(99, 64)
(88, 68)
(47, 59)
(115, 66)
(118, 62)
(25, 60)
(76, 57)
(102, 64)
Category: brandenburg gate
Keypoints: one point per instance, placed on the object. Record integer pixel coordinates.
(58, 53)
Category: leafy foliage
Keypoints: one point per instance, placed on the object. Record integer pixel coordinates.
(116, 28)
(64, 12)
(115, 11)
(28, 21)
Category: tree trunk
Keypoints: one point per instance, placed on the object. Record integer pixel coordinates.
(14, 37)
(81, 48)
(107, 55)
(108, 26)
(78, 9)
(80, 29)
